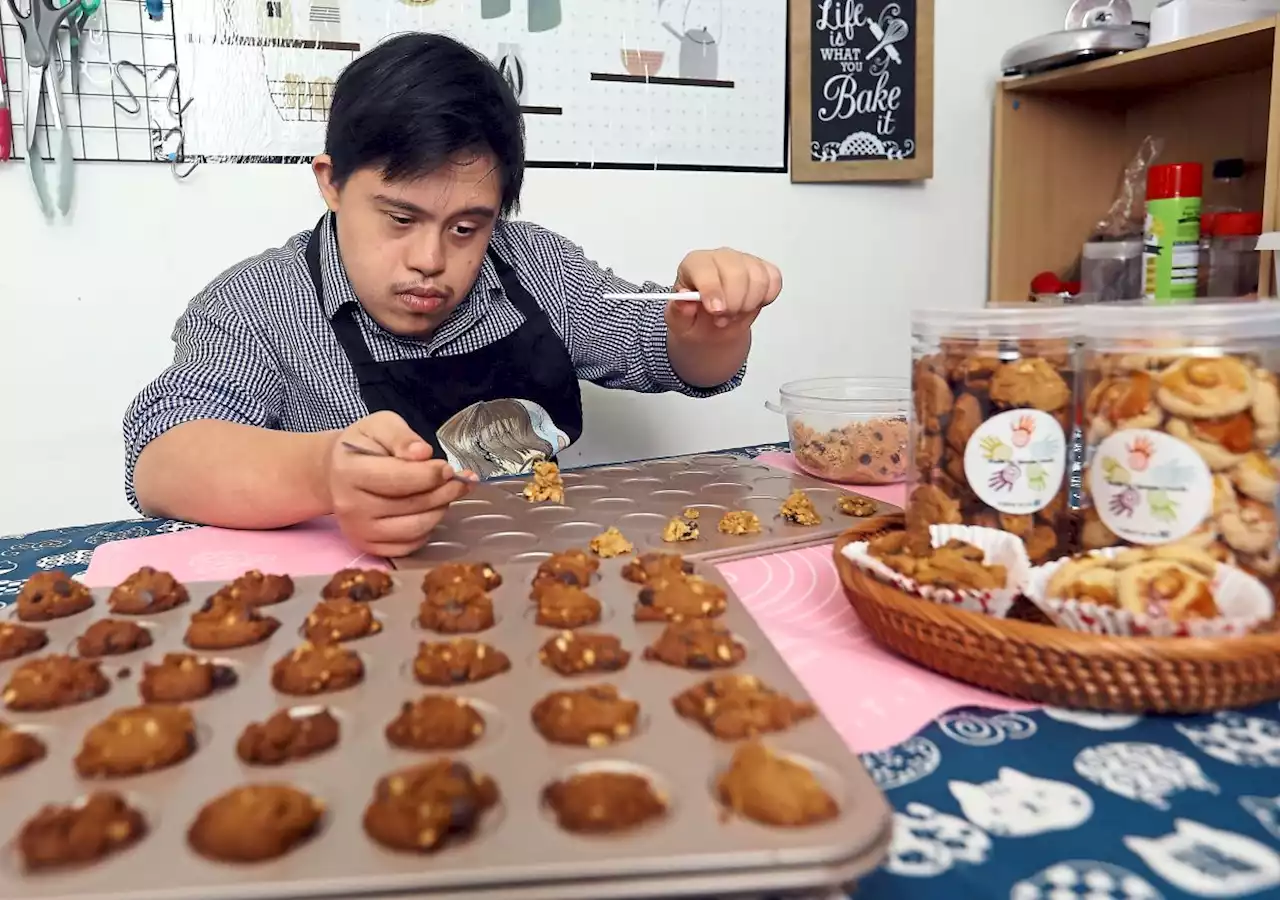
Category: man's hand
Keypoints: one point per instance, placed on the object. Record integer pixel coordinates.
(387, 505)
(734, 287)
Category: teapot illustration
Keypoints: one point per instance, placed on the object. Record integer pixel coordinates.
(699, 50)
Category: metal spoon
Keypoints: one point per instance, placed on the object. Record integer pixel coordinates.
(365, 451)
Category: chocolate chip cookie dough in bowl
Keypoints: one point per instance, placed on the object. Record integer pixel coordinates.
(848, 430)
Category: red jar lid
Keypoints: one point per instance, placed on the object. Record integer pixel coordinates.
(1175, 180)
(1237, 224)
(1207, 223)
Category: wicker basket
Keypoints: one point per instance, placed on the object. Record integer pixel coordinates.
(1064, 668)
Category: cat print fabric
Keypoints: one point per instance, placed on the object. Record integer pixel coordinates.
(1209, 862)
(1145, 772)
(1020, 805)
(927, 843)
(904, 763)
(1236, 739)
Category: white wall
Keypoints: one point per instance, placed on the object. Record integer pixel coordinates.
(87, 307)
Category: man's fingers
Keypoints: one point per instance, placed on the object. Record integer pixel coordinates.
(394, 478)
(394, 436)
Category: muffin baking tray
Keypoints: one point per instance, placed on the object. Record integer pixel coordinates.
(497, 524)
(518, 852)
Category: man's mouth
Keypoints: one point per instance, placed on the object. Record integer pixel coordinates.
(422, 299)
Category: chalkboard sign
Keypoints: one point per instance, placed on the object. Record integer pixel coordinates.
(862, 90)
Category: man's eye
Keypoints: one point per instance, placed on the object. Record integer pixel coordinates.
(464, 230)
(400, 220)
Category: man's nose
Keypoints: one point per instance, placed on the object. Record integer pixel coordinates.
(427, 253)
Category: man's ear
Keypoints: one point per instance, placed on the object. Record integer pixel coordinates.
(322, 168)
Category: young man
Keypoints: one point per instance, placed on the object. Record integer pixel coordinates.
(416, 323)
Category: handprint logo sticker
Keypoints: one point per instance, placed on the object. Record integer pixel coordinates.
(1016, 461)
(1149, 487)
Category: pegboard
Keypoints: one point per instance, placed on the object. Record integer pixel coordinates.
(99, 118)
(601, 82)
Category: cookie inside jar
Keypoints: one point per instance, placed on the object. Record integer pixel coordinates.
(994, 399)
(1181, 422)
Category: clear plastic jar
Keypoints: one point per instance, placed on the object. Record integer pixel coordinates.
(994, 394)
(1182, 424)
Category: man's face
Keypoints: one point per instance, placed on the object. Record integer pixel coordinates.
(412, 248)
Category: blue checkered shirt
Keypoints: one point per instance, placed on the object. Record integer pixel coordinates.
(255, 347)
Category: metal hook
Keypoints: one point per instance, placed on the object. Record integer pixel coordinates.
(137, 104)
(175, 109)
(159, 137)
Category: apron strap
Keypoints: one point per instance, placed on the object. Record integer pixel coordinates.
(344, 321)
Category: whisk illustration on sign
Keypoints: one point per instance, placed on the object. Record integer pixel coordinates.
(890, 29)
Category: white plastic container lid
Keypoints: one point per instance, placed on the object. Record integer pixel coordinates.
(997, 323)
(1139, 326)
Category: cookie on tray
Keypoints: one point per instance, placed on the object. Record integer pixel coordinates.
(112, 637)
(79, 833)
(52, 682)
(361, 585)
(856, 506)
(566, 606)
(594, 716)
(52, 595)
(575, 653)
(733, 707)
(690, 597)
(146, 592)
(696, 644)
(19, 640)
(257, 589)
(680, 531)
(136, 740)
(656, 565)
(603, 802)
(610, 543)
(255, 822)
(288, 736)
(226, 624)
(317, 669)
(773, 790)
(435, 722)
(457, 609)
(546, 486)
(739, 523)
(459, 661)
(18, 749)
(422, 808)
(183, 677)
(446, 575)
(798, 509)
(577, 567)
(334, 621)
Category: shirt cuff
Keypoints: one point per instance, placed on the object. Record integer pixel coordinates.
(653, 342)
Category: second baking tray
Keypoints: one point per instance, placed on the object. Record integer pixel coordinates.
(518, 853)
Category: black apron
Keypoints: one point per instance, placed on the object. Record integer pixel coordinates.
(463, 405)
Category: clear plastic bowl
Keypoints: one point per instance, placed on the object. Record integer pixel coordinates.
(848, 430)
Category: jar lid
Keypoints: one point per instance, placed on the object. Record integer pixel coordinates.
(1204, 322)
(1238, 224)
(1011, 322)
(1164, 182)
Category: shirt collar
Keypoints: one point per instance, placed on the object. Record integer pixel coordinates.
(338, 291)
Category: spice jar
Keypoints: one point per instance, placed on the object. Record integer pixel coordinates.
(994, 400)
(1182, 423)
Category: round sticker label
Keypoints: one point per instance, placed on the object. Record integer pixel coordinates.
(1015, 461)
(1148, 487)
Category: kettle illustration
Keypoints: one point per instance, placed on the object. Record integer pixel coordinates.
(699, 51)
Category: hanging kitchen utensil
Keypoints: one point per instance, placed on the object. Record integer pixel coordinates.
(699, 50)
(494, 9)
(511, 68)
(544, 15)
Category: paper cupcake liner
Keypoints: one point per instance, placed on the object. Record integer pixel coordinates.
(1243, 599)
(1000, 549)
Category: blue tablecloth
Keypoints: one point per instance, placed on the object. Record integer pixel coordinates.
(1048, 804)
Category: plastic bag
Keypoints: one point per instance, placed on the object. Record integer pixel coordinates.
(1128, 213)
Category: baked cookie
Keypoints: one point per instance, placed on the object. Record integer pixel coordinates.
(691, 513)
(696, 644)
(459, 661)
(147, 592)
(1166, 588)
(1206, 387)
(421, 808)
(603, 802)
(566, 606)
(480, 574)
(254, 823)
(457, 609)
(52, 682)
(80, 833)
(360, 585)
(435, 722)
(334, 621)
(317, 669)
(611, 543)
(136, 740)
(858, 507)
(183, 677)
(739, 523)
(678, 530)
(112, 637)
(773, 790)
(18, 749)
(574, 654)
(798, 510)
(19, 640)
(288, 736)
(733, 707)
(570, 567)
(690, 597)
(256, 589)
(52, 595)
(226, 624)
(656, 565)
(1030, 382)
(547, 486)
(594, 716)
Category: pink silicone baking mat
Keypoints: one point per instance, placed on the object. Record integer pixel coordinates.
(887, 493)
(873, 698)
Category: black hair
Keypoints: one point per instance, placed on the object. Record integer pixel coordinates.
(415, 101)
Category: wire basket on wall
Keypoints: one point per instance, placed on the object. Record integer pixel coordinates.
(299, 99)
